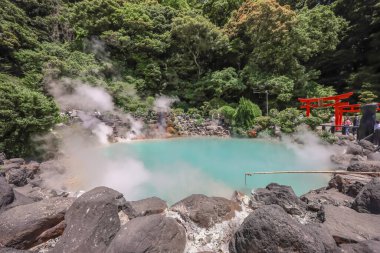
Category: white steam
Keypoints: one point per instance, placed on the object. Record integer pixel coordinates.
(162, 104)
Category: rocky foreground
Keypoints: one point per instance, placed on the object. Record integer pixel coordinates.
(342, 217)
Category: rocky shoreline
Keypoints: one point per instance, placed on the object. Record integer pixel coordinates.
(344, 216)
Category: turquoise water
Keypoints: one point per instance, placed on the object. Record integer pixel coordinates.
(175, 168)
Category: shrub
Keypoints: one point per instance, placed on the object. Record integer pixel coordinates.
(227, 113)
(287, 119)
(312, 122)
(246, 113)
(263, 121)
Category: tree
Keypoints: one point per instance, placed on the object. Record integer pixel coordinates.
(219, 11)
(246, 113)
(23, 114)
(197, 39)
(367, 97)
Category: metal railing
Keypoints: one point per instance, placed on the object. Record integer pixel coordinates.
(306, 172)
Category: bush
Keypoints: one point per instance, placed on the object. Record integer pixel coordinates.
(287, 119)
(246, 113)
(227, 113)
(263, 121)
(313, 122)
(194, 112)
(328, 137)
(23, 114)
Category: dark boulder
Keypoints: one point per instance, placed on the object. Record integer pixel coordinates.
(21, 226)
(368, 199)
(149, 234)
(323, 235)
(91, 222)
(348, 226)
(145, 207)
(18, 177)
(271, 229)
(369, 246)
(354, 149)
(6, 193)
(349, 184)
(365, 166)
(206, 211)
(281, 195)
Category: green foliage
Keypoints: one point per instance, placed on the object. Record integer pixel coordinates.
(367, 97)
(219, 11)
(23, 114)
(263, 121)
(287, 119)
(246, 113)
(328, 137)
(227, 113)
(312, 122)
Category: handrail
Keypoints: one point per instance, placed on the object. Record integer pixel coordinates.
(306, 172)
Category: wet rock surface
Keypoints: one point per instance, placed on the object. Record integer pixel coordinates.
(21, 226)
(149, 234)
(206, 211)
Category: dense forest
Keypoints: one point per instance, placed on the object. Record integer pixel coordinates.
(208, 53)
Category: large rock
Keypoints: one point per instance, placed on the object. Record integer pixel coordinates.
(149, 234)
(368, 199)
(316, 198)
(354, 149)
(145, 207)
(21, 226)
(347, 226)
(341, 159)
(365, 166)
(6, 193)
(374, 156)
(92, 222)
(369, 246)
(19, 200)
(367, 145)
(281, 195)
(349, 184)
(18, 177)
(271, 229)
(206, 211)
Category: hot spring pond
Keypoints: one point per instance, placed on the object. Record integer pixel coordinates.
(175, 168)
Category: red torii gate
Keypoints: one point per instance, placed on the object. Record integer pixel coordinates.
(333, 101)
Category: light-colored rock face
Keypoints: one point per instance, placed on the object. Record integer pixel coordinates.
(206, 211)
(214, 238)
(347, 225)
(21, 226)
